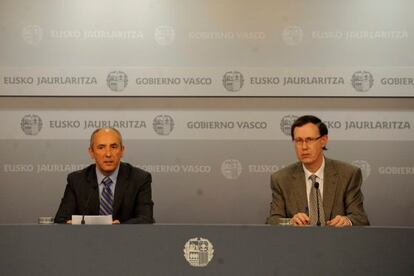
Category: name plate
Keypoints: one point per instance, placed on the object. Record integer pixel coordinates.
(92, 219)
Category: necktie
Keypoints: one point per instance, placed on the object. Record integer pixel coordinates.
(106, 199)
(313, 209)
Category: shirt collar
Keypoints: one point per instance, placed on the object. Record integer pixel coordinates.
(100, 176)
(318, 173)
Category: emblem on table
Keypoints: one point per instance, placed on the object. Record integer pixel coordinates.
(233, 81)
(163, 124)
(231, 168)
(362, 81)
(117, 81)
(292, 35)
(31, 124)
(32, 34)
(164, 35)
(198, 252)
(364, 166)
(286, 123)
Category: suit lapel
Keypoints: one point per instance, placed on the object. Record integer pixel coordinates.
(299, 188)
(93, 192)
(120, 188)
(329, 187)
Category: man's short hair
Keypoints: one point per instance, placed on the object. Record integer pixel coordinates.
(306, 119)
(109, 128)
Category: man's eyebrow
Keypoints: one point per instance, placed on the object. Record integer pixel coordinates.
(103, 145)
(100, 145)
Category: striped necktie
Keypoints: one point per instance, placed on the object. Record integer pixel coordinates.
(313, 209)
(107, 198)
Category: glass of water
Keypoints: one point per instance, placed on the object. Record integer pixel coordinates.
(284, 221)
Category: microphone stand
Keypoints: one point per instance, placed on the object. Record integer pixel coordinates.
(85, 211)
(316, 185)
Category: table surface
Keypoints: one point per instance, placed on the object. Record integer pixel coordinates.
(237, 250)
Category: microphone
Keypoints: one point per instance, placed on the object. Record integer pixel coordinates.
(85, 210)
(316, 185)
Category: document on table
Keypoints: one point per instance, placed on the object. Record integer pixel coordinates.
(92, 219)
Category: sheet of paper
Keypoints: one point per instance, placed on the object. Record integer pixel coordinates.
(92, 219)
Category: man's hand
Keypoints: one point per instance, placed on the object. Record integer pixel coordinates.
(300, 219)
(69, 222)
(339, 221)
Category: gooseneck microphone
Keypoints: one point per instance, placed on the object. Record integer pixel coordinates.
(316, 185)
(86, 209)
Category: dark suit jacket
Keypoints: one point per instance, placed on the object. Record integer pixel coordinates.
(341, 192)
(132, 199)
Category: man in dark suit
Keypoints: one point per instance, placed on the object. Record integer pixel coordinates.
(108, 187)
(300, 188)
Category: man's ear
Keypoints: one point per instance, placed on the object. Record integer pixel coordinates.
(122, 148)
(90, 151)
(324, 140)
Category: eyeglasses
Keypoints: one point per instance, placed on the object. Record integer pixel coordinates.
(307, 140)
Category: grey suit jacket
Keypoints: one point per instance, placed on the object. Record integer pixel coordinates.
(341, 192)
(132, 200)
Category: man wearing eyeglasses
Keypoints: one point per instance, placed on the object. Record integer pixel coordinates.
(316, 190)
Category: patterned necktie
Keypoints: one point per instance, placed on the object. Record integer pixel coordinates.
(313, 209)
(107, 198)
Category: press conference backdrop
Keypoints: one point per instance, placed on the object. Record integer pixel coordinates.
(249, 69)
